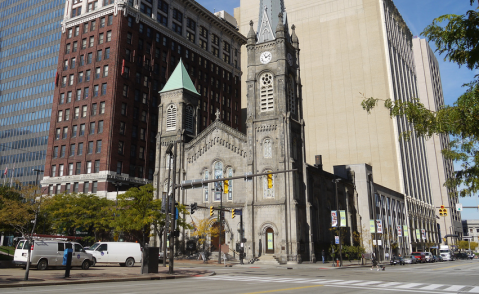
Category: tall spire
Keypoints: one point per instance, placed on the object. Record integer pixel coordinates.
(179, 79)
(268, 19)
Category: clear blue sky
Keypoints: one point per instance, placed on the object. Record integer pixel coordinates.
(417, 14)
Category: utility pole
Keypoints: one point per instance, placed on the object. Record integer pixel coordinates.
(172, 222)
(339, 222)
(30, 239)
(220, 188)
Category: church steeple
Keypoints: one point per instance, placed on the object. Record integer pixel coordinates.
(268, 20)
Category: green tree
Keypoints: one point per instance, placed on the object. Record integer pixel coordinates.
(464, 245)
(202, 230)
(69, 212)
(456, 36)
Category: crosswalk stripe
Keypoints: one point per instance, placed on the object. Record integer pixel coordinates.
(474, 290)
(330, 281)
(432, 287)
(453, 288)
(349, 282)
(368, 283)
(390, 284)
(409, 285)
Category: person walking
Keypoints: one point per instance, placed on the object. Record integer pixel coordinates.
(374, 261)
(323, 254)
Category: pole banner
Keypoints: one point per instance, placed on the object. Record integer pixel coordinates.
(342, 214)
(399, 231)
(334, 218)
(371, 226)
(405, 230)
(379, 224)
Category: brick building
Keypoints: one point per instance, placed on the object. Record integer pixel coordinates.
(114, 57)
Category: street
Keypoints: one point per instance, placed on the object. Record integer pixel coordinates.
(445, 277)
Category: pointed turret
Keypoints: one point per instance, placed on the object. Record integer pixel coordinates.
(179, 79)
(280, 26)
(294, 38)
(251, 34)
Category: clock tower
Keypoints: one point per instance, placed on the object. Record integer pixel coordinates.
(275, 134)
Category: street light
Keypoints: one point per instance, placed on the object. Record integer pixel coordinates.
(30, 239)
(118, 185)
(335, 181)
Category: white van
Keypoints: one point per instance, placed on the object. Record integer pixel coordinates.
(124, 253)
(428, 256)
(49, 253)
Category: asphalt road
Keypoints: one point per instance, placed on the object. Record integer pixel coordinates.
(443, 278)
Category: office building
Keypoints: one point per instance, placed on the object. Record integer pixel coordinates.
(29, 43)
(353, 49)
(440, 169)
(114, 58)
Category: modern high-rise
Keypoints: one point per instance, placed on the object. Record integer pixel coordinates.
(352, 49)
(440, 169)
(115, 57)
(30, 34)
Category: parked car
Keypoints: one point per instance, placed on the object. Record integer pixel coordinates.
(461, 255)
(420, 256)
(124, 253)
(397, 260)
(410, 259)
(437, 258)
(49, 253)
(428, 256)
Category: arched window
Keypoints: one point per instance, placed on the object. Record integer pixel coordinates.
(189, 118)
(229, 172)
(206, 191)
(267, 149)
(267, 193)
(266, 92)
(171, 118)
(291, 96)
(218, 166)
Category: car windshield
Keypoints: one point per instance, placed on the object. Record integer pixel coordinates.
(94, 246)
(22, 243)
(416, 254)
(444, 251)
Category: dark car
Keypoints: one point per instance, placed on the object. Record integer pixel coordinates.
(461, 255)
(437, 258)
(420, 256)
(397, 260)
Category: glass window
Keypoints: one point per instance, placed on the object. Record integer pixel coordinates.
(82, 129)
(60, 170)
(97, 166)
(98, 55)
(92, 128)
(92, 41)
(80, 149)
(78, 168)
(94, 187)
(70, 169)
(120, 147)
(103, 89)
(119, 166)
(108, 36)
(72, 150)
(107, 53)
(102, 107)
(100, 127)
(105, 70)
(84, 111)
(86, 189)
(88, 167)
(74, 131)
(98, 146)
(102, 22)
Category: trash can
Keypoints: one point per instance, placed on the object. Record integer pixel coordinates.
(150, 260)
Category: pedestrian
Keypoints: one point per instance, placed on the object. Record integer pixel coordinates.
(323, 254)
(387, 255)
(374, 261)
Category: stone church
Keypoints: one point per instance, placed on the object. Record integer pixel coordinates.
(286, 220)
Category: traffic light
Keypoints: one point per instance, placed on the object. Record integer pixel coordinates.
(442, 211)
(445, 211)
(211, 210)
(226, 186)
(233, 213)
(270, 181)
(193, 207)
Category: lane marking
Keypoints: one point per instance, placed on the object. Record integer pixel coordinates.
(474, 290)
(390, 289)
(349, 282)
(368, 283)
(432, 287)
(453, 288)
(436, 269)
(390, 284)
(409, 285)
(288, 289)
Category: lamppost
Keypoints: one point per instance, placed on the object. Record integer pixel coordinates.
(30, 239)
(117, 185)
(335, 181)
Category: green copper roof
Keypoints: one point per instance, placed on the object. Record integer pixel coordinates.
(179, 79)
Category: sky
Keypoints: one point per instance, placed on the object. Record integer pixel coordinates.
(418, 14)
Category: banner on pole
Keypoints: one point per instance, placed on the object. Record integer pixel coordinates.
(336, 239)
(405, 231)
(334, 218)
(418, 234)
(379, 225)
(399, 231)
(371, 226)
(423, 233)
(342, 214)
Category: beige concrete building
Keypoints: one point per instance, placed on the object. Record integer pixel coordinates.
(352, 48)
(430, 94)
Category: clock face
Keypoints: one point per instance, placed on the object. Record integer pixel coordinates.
(289, 57)
(265, 57)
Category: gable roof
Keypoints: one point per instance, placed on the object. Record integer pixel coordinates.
(179, 79)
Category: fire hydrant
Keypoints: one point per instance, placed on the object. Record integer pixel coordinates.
(337, 262)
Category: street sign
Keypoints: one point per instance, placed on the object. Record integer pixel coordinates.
(336, 239)
(458, 206)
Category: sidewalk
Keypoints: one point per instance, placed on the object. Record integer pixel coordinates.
(13, 277)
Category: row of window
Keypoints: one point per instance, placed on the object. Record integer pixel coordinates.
(50, 26)
(79, 131)
(74, 151)
(84, 112)
(26, 130)
(90, 42)
(25, 81)
(25, 143)
(133, 170)
(27, 92)
(23, 172)
(45, 113)
(29, 68)
(27, 104)
(31, 56)
(52, 190)
(54, 37)
(9, 16)
(24, 157)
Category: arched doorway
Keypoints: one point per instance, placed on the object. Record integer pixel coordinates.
(215, 241)
(269, 241)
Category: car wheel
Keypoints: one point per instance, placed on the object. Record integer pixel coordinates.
(85, 265)
(42, 265)
(93, 262)
(130, 262)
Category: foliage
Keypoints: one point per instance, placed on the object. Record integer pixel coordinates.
(19, 212)
(203, 229)
(458, 40)
(68, 212)
(8, 249)
(464, 245)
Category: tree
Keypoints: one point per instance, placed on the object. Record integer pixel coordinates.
(464, 245)
(458, 39)
(69, 212)
(202, 230)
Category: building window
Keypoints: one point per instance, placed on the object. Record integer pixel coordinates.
(93, 109)
(70, 169)
(82, 129)
(74, 131)
(122, 128)
(78, 168)
(91, 41)
(80, 148)
(110, 20)
(97, 166)
(189, 118)
(119, 165)
(98, 146)
(86, 187)
(171, 118)
(75, 187)
(60, 170)
(67, 188)
(123, 108)
(100, 127)
(94, 187)
(72, 150)
(267, 148)
(54, 171)
(107, 53)
(266, 92)
(65, 132)
(229, 172)
(103, 89)
(206, 188)
(102, 22)
(60, 115)
(218, 173)
(291, 96)
(86, 93)
(99, 55)
(90, 147)
(108, 36)
(102, 107)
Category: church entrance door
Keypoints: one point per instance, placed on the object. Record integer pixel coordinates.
(215, 241)
(269, 241)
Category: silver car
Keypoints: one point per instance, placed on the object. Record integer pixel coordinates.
(409, 259)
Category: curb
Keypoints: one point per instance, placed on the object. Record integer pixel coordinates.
(92, 281)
